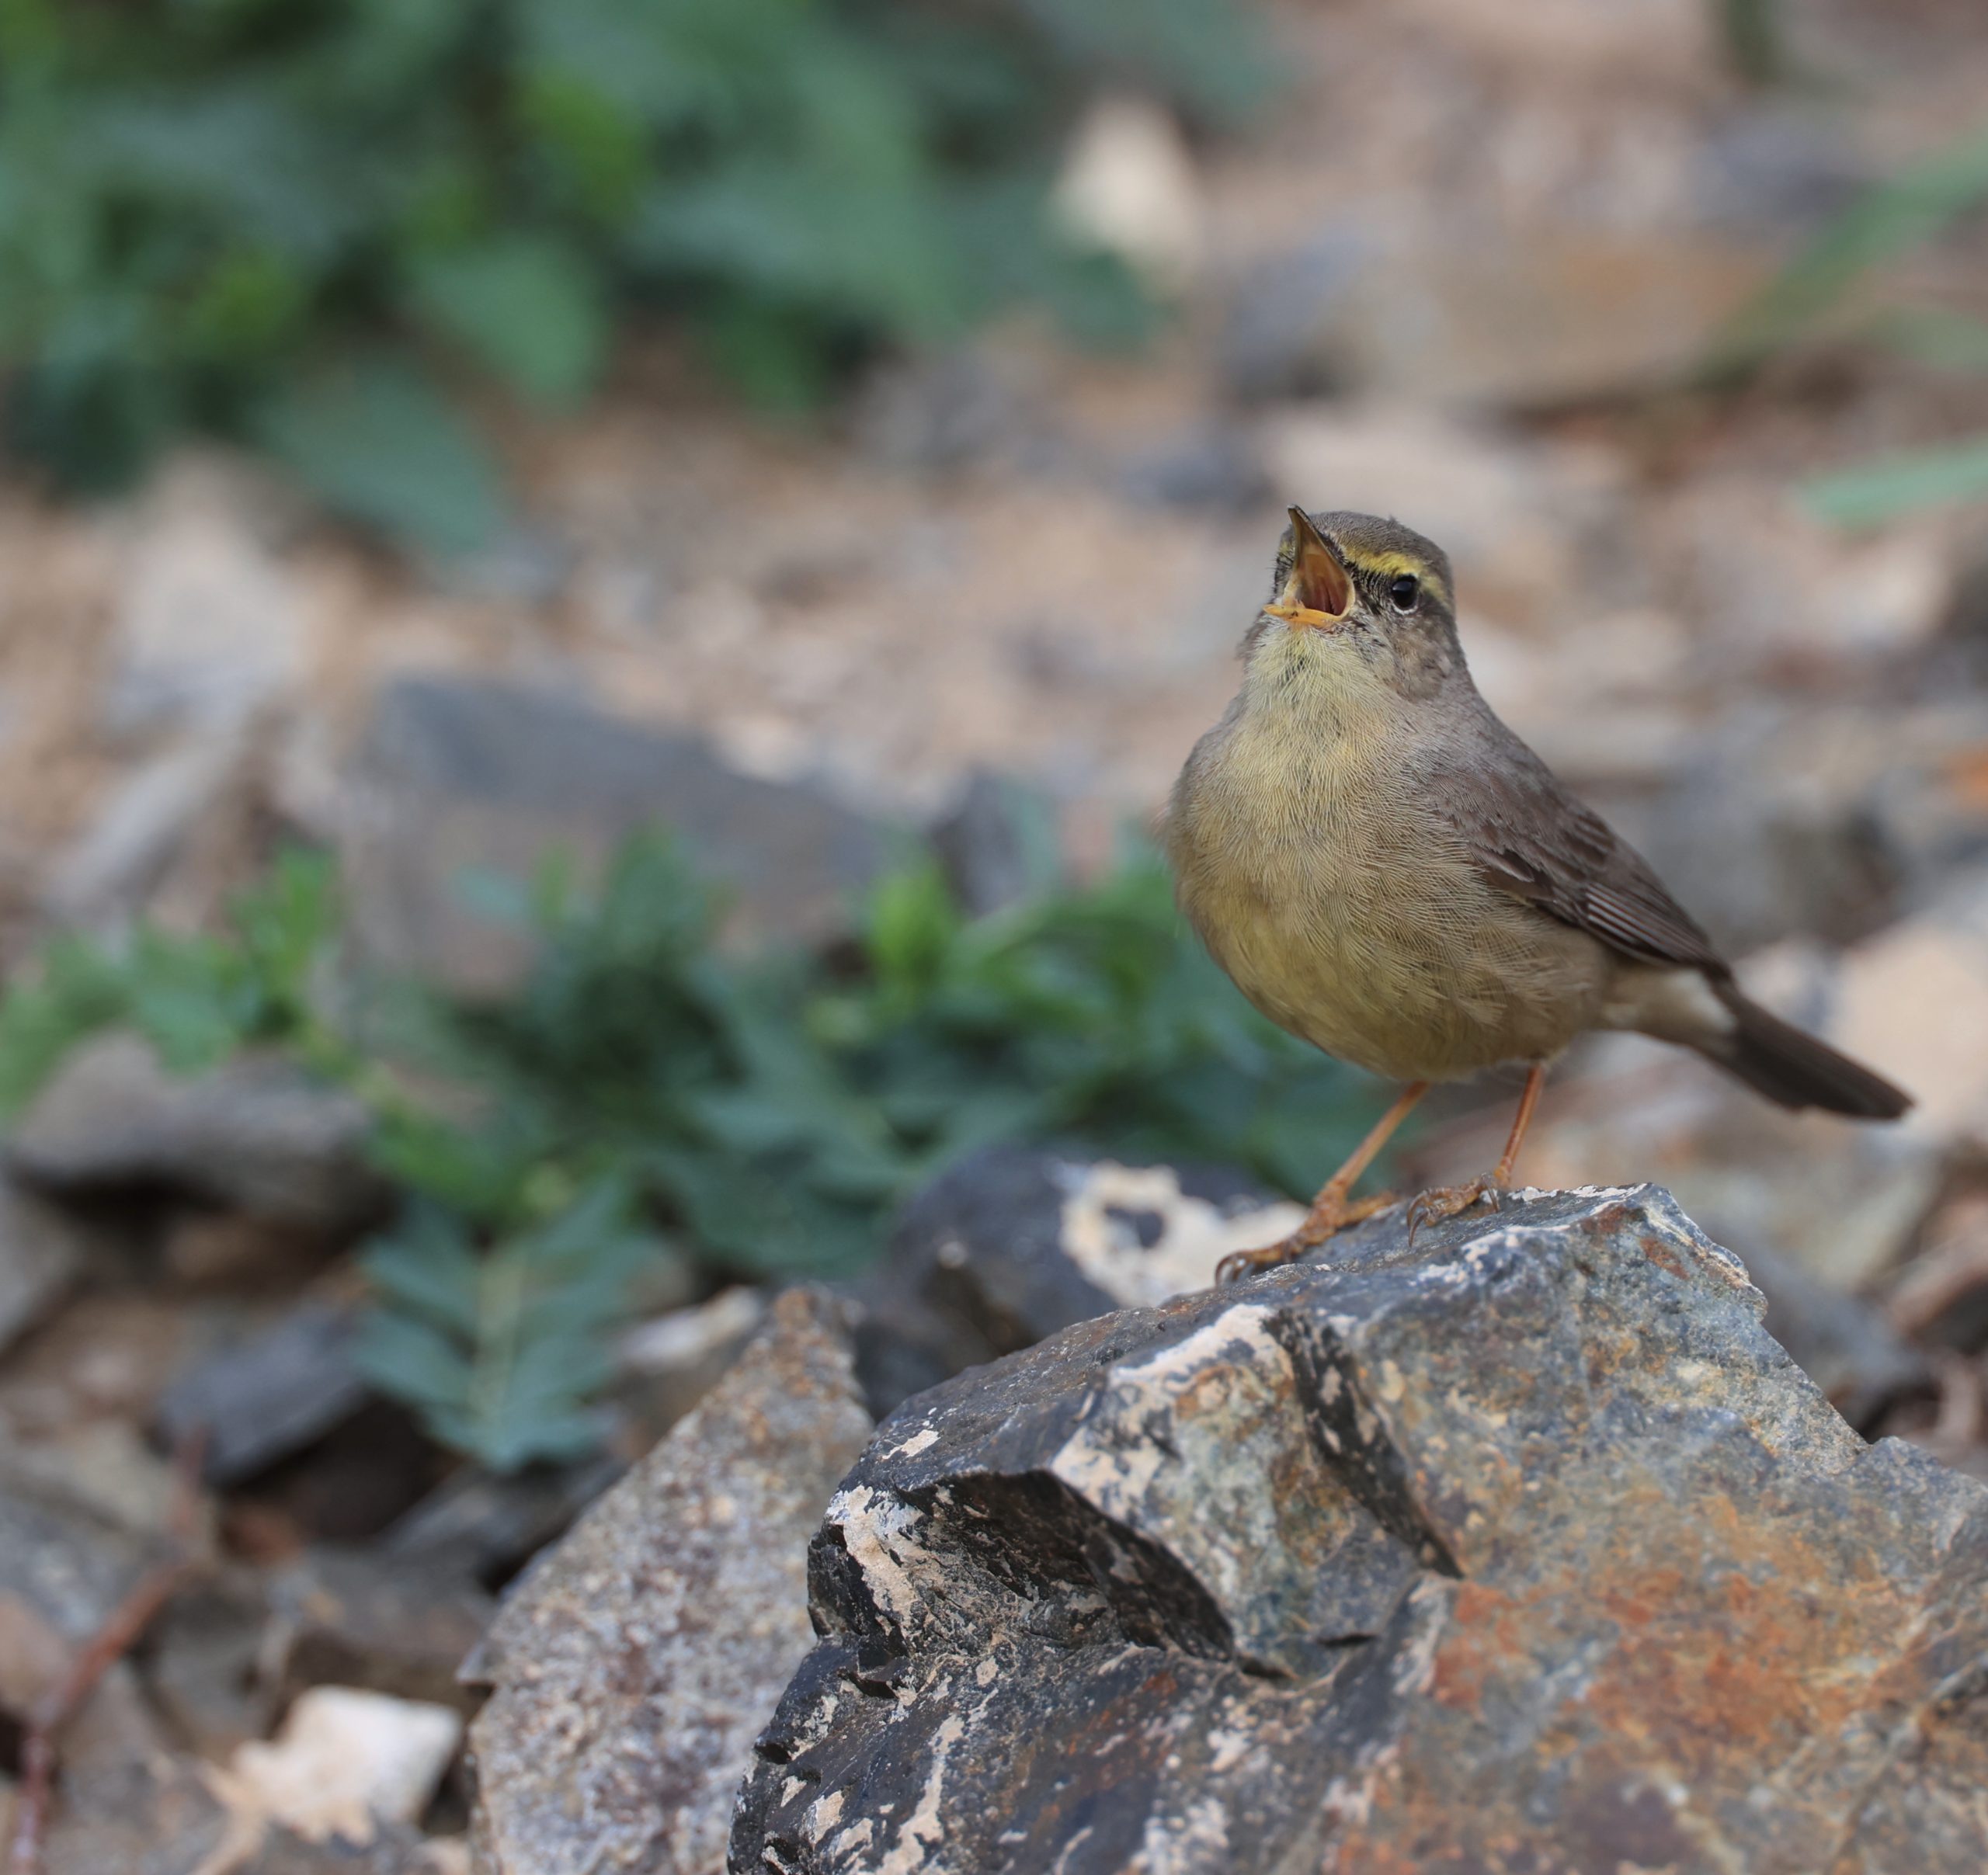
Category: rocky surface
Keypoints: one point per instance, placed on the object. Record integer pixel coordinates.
(1015, 1242)
(455, 778)
(1526, 1549)
(255, 1135)
(637, 1661)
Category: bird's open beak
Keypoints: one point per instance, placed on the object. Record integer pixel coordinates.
(1319, 591)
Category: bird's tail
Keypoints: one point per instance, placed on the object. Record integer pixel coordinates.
(1790, 1066)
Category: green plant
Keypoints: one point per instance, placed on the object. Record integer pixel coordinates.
(641, 1096)
(303, 225)
(1922, 202)
(196, 999)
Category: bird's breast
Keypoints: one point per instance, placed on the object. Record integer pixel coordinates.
(1325, 883)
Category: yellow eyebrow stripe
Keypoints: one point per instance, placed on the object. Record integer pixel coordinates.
(1388, 565)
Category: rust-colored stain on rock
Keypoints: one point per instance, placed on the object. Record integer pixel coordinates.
(1524, 1552)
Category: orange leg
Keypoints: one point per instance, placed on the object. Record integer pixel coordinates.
(1330, 1212)
(1447, 1200)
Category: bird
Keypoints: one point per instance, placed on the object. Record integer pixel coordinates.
(1385, 870)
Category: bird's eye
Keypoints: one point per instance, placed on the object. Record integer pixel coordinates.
(1404, 590)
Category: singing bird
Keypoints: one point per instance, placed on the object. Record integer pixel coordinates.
(1384, 869)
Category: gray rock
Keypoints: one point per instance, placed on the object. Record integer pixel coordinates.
(1468, 311)
(636, 1662)
(456, 777)
(1524, 1548)
(1843, 1342)
(145, 817)
(1015, 1242)
(255, 1135)
(41, 1250)
(998, 843)
(350, 1617)
(270, 1395)
(476, 1523)
(1214, 467)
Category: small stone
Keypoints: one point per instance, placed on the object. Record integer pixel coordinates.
(105, 874)
(345, 1762)
(270, 1395)
(254, 1134)
(633, 1664)
(1129, 187)
(479, 1525)
(41, 1252)
(350, 1617)
(210, 624)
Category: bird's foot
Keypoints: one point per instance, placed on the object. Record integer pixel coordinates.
(1441, 1201)
(1325, 1220)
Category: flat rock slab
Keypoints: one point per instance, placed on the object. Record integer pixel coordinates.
(636, 1661)
(1523, 1550)
(456, 777)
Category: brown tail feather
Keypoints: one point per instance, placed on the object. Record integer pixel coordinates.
(1790, 1066)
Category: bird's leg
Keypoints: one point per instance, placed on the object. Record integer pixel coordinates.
(1447, 1200)
(1330, 1212)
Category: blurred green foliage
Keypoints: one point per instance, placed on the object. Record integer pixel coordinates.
(305, 223)
(642, 1095)
(196, 999)
(1923, 202)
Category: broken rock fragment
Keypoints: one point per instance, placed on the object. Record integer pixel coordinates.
(1522, 1549)
(637, 1661)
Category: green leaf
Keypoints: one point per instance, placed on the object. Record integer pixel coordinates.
(1872, 492)
(378, 441)
(529, 307)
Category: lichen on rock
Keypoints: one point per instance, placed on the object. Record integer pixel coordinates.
(1523, 1548)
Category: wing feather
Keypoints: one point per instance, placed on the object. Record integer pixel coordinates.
(1529, 837)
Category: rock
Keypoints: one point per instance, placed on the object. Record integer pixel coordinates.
(1843, 1342)
(1129, 187)
(1215, 466)
(210, 625)
(41, 1252)
(349, 1617)
(255, 1135)
(1479, 314)
(476, 1524)
(1773, 825)
(205, 1669)
(1524, 1547)
(669, 1363)
(151, 1816)
(270, 1395)
(998, 843)
(107, 872)
(121, 1803)
(1015, 1242)
(943, 409)
(634, 1664)
(459, 776)
(1915, 997)
(345, 1761)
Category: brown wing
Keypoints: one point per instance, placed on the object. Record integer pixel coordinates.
(1530, 838)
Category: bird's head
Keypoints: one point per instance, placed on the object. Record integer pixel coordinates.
(1356, 603)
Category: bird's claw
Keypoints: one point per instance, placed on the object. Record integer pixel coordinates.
(1442, 1201)
(1322, 1224)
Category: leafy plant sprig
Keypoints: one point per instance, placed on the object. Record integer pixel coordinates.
(641, 1097)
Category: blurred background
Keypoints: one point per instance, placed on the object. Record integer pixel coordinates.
(597, 597)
